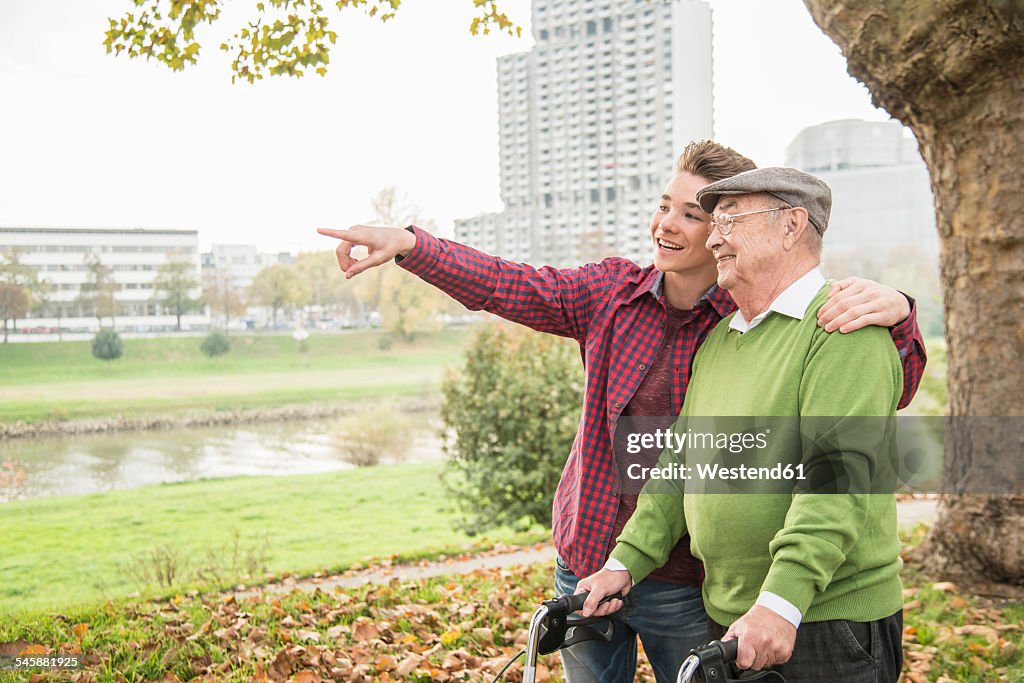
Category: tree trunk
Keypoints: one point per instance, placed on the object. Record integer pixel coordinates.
(953, 71)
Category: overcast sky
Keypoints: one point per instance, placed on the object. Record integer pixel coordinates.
(87, 140)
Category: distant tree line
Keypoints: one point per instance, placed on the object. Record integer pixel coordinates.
(311, 285)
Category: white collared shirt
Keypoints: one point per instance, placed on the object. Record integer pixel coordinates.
(792, 302)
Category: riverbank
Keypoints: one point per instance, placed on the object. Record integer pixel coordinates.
(209, 418)
(59, 388)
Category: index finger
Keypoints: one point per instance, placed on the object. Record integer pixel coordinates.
(340, 234)
(592, 602)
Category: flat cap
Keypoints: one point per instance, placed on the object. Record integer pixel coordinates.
(794, 187)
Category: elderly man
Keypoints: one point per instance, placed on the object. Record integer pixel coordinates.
(808, 582)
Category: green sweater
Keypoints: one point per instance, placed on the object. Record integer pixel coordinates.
(833, 556)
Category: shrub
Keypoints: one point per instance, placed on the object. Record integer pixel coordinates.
(372, 433)
(510, 417)
(106, 345)
(215, 344)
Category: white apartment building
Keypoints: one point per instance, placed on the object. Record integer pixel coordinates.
(60, 255)
(591, 121)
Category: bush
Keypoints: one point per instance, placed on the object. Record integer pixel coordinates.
(106, 345)
(372, 433)
(510, 417)
(215, 344)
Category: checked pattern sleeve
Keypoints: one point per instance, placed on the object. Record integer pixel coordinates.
(557, 301)
(910, 343)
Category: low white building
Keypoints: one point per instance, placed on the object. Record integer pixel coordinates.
(60, 258)
(238, 264)
(234, 267)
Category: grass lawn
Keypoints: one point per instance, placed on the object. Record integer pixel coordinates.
(61, 552)
(459, 628)
(49, 381)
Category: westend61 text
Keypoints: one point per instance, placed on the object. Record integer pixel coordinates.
(672, 440)
(715, 472)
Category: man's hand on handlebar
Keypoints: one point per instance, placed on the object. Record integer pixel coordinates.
(765, 638)
(603, 583)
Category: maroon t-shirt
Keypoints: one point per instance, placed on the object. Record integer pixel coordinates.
(653, 398)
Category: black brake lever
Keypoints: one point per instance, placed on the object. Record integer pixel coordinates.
(558, 623)
(710, 664)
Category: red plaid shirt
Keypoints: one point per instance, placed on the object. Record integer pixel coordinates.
(615, 310)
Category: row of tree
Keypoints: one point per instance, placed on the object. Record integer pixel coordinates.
(312, 284)
(407, 306)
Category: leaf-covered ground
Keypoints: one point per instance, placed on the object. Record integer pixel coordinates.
(452, 629)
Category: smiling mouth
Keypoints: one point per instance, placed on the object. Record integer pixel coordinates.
(722, 259)
(669, 246)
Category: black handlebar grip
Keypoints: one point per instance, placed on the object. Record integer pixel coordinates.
(575, 601)
(729, 649)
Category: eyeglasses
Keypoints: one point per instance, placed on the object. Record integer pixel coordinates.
(726, 221)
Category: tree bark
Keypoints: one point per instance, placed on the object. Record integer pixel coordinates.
(953, 71)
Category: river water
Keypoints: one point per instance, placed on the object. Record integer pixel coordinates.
(72, 465)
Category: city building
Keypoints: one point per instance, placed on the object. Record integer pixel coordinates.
(234, 267)
(591, 121)
(881, 192)
(882, 225)
(61, 258)
(237, 265)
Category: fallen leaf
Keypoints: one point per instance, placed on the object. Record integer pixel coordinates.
(364, 630)
(386, 663)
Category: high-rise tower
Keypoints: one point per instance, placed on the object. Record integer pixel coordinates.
(591, 121)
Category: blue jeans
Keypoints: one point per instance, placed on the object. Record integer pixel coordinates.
(668, 617)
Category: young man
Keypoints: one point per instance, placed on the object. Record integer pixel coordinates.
(638, 330)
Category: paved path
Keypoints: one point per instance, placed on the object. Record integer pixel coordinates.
(910, 513)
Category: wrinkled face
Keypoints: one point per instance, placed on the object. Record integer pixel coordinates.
(679, 227)
(753, 248)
